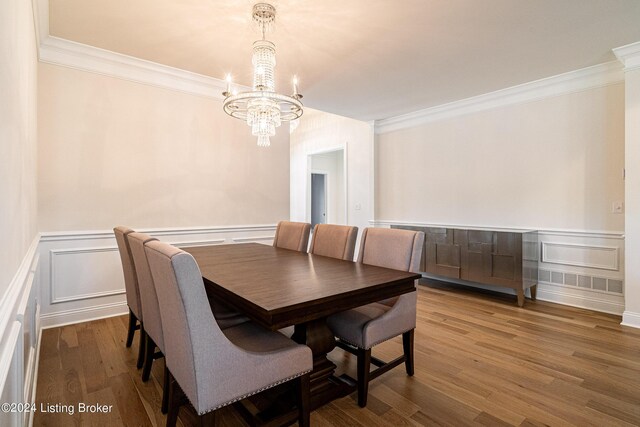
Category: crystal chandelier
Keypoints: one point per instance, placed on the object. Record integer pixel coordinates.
(263, 108)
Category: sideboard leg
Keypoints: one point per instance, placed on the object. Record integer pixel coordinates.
(520, 297)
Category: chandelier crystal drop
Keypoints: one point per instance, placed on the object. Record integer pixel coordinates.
(263, 108)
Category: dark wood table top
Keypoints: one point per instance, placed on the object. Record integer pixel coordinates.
(278, 287)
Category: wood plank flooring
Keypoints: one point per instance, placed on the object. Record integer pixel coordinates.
(480, 360)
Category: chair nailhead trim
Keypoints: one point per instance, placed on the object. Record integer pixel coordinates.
(254, 392)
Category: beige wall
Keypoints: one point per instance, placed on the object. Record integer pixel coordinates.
(117, 152)
(18, 136)
(555, 163)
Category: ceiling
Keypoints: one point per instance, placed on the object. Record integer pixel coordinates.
(366, 59)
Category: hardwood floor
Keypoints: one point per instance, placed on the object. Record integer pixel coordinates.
(479, 360)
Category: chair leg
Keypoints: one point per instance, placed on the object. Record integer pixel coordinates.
(148, 358)
(141, 347)
(364, 363)
(132, 328)
(165, 390)
(207, 420)
(304, 412)
(407, 344)
(175, 396)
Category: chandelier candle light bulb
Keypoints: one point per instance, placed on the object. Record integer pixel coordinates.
(263, 108)
(228, 91)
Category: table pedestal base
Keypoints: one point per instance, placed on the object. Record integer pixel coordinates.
(325, 386)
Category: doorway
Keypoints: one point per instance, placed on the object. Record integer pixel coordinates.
(318, 199)
(326, 188)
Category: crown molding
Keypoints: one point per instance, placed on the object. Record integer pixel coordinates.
(574, 81)
(629, 55)
(66, 53)
(57, 51)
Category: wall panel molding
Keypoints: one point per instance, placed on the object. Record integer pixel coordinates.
(8, 353)
(60, 274)
(579, 255)
(10, 300)
(573, 81)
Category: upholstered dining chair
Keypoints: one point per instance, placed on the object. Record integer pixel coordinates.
(335, 241)
(359, 329)
(150, 310)
(131, 289)
(330, 240)
(211, 367)
(292, 235)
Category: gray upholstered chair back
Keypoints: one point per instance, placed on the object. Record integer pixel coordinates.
(292, 235)
(187, 320)
(148, 296)
(128, 268)
(209, 367)
(391, 248)
(335, 241)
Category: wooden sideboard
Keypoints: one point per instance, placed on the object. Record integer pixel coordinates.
(486, 256)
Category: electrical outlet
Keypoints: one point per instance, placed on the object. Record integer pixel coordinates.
(617, 207)
(358, 206)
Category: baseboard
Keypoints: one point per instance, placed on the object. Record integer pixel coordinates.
(556, 294)
(630, 318)
(85, 314)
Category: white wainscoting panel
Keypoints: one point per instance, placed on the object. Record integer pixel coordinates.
(19, 337)
(81, 271)
(583, 270)
(10, 378)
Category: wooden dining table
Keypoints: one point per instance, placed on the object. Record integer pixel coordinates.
(278, 288)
